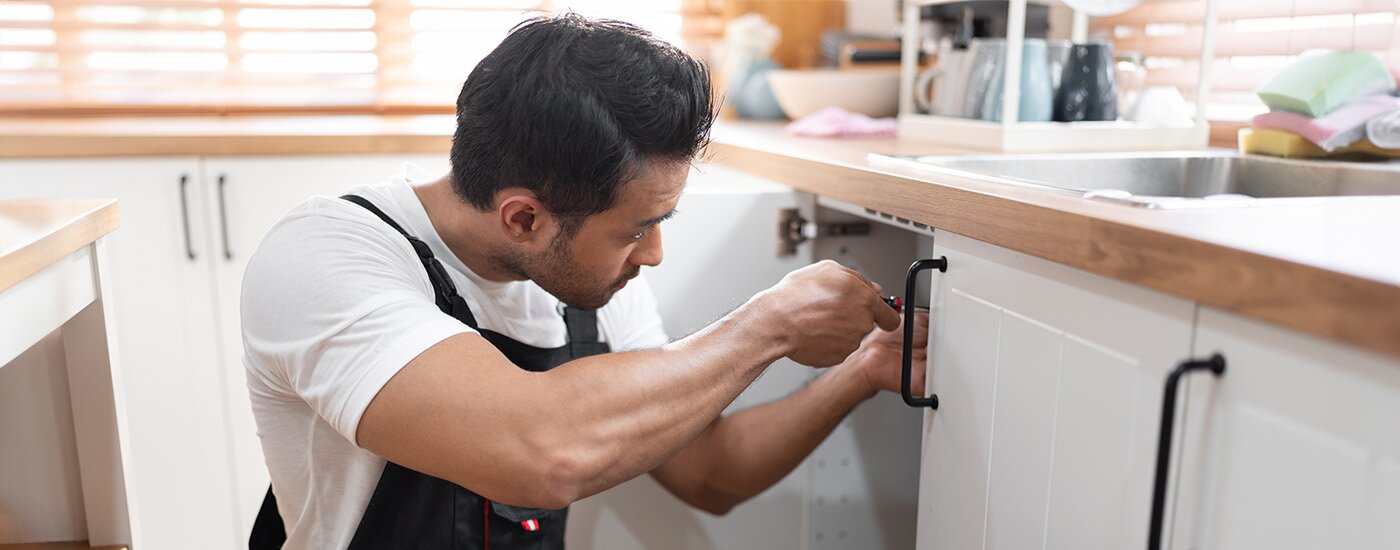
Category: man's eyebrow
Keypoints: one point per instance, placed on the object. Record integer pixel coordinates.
(653, 221)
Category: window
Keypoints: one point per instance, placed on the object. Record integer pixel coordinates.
(217, 56)
(1254, 40)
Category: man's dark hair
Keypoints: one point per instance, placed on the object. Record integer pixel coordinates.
(572, 108)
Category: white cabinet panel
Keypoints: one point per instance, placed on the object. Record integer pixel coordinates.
(247, 196)
(165, 337)
(1295, 446)
(958, 437)
(1084, 513)
(1049, 380)
(1023, 424)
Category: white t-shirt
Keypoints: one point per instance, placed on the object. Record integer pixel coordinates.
(334, 303)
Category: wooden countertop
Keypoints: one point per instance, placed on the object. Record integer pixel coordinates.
(35, 233)
(1331, 269)
(234, 135)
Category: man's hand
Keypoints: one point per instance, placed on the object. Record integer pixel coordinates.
(825, 310)
(878, 358)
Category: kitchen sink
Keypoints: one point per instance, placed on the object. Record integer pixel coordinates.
(1186, 179)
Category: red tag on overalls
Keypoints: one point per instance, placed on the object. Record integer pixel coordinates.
(531, 524)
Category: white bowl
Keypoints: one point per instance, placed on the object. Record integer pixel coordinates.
(869, 92)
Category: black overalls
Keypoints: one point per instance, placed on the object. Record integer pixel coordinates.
(409, 509)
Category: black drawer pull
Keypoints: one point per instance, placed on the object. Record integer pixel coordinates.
(907, 365)
(185, 215)
(1216, 365)
(223, 217)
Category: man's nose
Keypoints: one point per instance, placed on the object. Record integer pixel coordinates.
(648, 253)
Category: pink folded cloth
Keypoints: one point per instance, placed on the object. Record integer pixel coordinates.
(1342, 127)
(838, 122)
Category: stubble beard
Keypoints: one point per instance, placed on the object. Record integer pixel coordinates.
(557, 272)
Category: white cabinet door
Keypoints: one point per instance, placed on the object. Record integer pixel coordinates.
(1296, 445)
(1049, 382)
(247, 196)
(160, 279)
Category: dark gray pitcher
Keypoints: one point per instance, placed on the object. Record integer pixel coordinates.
(1087, 90)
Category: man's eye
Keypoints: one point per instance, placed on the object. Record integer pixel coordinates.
(639, 236)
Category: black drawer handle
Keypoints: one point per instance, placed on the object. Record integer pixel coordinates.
(1216, 365)
(223, 217)
(907, 366)
(185, 215)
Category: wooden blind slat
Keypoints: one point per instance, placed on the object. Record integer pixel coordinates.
(1225, 77)
(1193, 11)
(1269, 43)
(224, 62)
(1253, 41)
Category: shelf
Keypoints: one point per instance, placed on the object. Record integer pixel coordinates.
(1046, 137)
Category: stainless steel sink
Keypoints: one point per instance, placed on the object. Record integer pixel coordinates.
(1188, 179)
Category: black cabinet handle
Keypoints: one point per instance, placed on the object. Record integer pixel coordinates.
(907, 366)
(1216, 365)
(185, 215)
(223, 218)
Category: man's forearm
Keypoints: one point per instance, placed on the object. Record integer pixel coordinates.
(620, 415)
(745, 453)
(547, 439)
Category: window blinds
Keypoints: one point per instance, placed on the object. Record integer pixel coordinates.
(200, 56)
(1254, 39)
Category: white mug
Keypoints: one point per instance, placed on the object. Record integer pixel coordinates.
(939, 90)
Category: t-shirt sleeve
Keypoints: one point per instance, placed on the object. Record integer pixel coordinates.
(332, 308)
(633, 320)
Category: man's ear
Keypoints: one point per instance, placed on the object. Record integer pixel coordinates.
(521, 214)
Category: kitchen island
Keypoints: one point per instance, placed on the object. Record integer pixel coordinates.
(63, 433)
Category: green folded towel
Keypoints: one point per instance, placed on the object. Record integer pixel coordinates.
(1318, 83)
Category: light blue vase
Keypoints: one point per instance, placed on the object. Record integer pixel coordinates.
(752, 95)
(1037, 90)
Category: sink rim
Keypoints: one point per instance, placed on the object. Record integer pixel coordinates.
(949, 164)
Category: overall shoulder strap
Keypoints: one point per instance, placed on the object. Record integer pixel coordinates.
(582, 325)
(445, 293)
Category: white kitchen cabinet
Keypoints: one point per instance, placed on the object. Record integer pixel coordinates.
(248, 195)
(1049, 381)
(1294, 446)
(165, 337)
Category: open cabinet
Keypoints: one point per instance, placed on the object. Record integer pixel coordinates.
(858, 489)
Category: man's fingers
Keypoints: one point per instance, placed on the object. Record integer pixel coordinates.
(885, 316)
(872, 285)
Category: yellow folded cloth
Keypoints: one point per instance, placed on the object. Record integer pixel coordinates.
(1277, 143)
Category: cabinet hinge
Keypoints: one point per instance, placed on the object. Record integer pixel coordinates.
(793, 230)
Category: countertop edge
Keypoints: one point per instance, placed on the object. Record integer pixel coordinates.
(1354, 310)
(59, 241)
(41, 146)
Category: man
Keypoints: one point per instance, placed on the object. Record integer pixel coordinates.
(451, 363)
